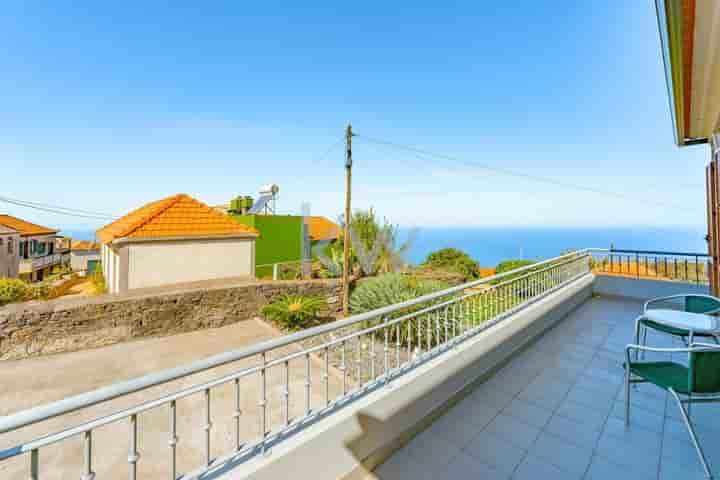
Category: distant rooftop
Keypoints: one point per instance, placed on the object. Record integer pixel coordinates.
(84, 245)
(320, 228)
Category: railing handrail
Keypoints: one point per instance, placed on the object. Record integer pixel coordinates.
(71, 404)
(658, 252)
(307, 260)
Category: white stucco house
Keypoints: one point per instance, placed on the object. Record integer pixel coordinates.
(9, 252)
(40, 249)
(174, 240)
(84, 256)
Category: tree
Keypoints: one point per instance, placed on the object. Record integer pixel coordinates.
(454, 260)
(373, 246)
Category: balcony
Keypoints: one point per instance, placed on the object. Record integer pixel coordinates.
(29, 265)
(556, 411)
(521, 378)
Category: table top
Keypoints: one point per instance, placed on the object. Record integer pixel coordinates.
(697, 322)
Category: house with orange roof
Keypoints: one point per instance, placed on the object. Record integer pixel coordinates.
(174, 240)
(40, 249)
(85, 256)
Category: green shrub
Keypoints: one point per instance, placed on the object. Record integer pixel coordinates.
(14, 290)
(388, 289)
(454, 260)
(294, 311)
(507, 265)
(98, 281)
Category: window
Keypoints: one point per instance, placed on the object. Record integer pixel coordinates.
(10, 246)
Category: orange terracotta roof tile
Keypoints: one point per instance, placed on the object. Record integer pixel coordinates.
(84, 245)
(176, 216)
(320, 228)
(26, 229)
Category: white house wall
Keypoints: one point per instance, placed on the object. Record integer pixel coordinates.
(9, 260)
(157, 263)
(79, 259)
(111, 268)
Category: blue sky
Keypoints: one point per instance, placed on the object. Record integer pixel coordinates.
(105, 108)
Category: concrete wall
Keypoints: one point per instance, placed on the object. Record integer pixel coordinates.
(151, 264)
(360, 436)
(37, 328)
(642, 288)
(9, 260)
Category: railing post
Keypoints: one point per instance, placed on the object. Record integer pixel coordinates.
(386, 352)
(286, 394)
(397, 346)
(34, 464)
(275, 271)
(263, 400)
(133, 456)
(326, 376)
(173, 440)
(207, 427)
(236, 414)
(343, 368)
(308, 383)
(88, 473)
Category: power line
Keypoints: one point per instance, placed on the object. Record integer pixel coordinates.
(45, 205)
(71, 212)
(525, 176)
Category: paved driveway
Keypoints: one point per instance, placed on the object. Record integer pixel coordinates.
(36, 381)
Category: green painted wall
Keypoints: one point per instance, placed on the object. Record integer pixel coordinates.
(280, 239)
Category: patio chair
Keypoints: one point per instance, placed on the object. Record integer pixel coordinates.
(699, 382)
(694, 303)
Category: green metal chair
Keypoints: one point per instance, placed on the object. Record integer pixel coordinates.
(694, 303)
(699, 382)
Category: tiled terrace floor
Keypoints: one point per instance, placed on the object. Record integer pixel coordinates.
(556, 412)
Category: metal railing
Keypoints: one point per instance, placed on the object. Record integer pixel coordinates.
(290, 270)
(334, 363)
(679, 266)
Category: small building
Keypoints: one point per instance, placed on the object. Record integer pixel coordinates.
(9, 252)
(174, 240)
(85, 256)
(41, 250)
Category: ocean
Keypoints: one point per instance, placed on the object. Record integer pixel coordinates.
(491, 245)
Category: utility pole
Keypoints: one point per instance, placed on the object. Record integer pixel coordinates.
(346, 234)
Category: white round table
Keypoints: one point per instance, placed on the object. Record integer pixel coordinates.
(693, 322)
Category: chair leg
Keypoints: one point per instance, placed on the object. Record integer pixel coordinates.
(644, 341)
(627, 395)
(693, 436)
(637, 336)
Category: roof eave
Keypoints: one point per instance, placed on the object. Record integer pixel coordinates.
(125, 240)
(676, 28)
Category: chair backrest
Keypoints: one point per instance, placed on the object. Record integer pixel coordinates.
(705, 370)
(702, 304)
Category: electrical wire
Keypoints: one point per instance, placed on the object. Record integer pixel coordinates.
(71, 212)
(525, 176)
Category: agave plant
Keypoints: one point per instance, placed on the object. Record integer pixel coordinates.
(294, 311)
(373, 247)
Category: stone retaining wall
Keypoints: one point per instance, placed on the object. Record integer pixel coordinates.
(62, 325)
